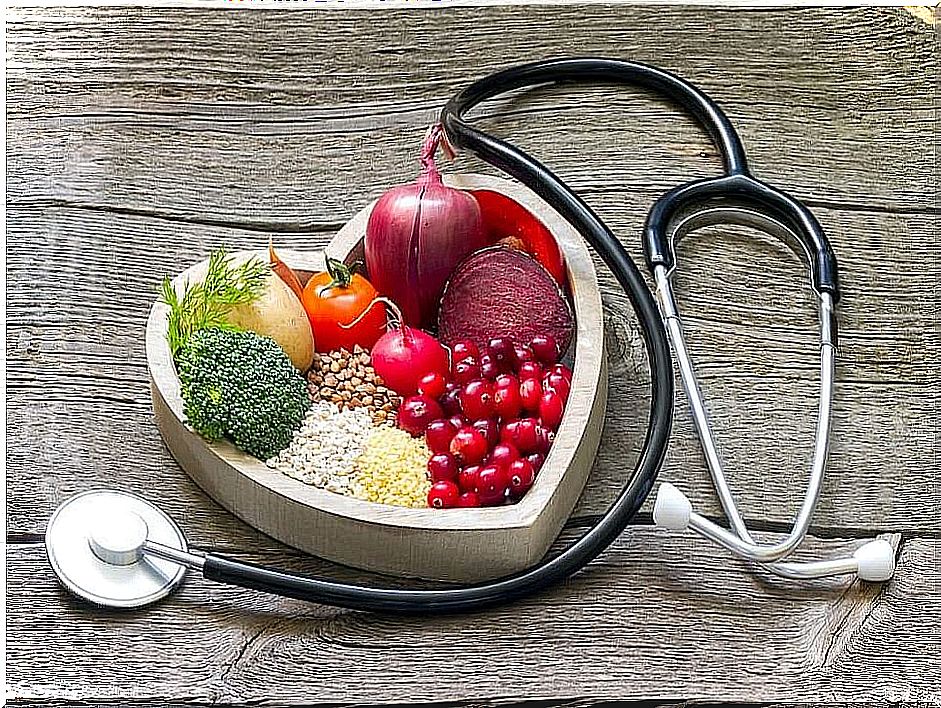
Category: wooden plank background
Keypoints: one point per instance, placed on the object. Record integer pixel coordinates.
(140, 138)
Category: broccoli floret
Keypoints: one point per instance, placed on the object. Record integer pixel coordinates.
(242, 386)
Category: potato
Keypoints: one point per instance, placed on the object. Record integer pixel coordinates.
(279, 314)
(276, 313)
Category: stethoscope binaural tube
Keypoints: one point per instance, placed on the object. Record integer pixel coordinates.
(741, 541)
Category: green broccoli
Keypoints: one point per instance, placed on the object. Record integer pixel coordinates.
(242, 386)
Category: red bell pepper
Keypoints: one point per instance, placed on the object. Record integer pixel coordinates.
(509, 222)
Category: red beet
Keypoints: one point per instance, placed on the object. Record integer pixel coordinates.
(502, 292)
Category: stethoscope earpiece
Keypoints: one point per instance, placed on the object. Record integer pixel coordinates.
(672, 508)
(875, 561)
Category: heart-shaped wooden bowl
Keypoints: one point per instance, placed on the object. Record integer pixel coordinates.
(452, 544)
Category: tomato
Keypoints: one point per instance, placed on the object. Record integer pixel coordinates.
(508, 221)
(337, 297)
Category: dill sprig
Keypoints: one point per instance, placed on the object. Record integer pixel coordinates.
(206, 304)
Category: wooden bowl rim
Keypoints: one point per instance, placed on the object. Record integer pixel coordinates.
(587, 369)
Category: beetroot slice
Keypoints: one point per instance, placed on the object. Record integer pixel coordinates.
(503, 292)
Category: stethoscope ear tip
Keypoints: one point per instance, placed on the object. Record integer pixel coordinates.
(672, 508)
(875, 561)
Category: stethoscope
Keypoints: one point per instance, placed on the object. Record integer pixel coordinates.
(116, 549)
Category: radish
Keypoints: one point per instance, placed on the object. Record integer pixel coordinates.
(404, 355)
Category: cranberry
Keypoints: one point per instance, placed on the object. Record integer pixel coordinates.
(530, 370)
(492, 483)
(544, 438)
(462, 349)
(522, 434)
(523, 354)
(508, 430)
(506, 397)
(489, 368)
(467, 478)
(503, 352)
(522, 475)
(438, 434)
(491, 430)
(458, 421)
(530, 393)
(442, 466)
(561, 369)
(545, 349)
(477, 399)
(468, 500)
(555, 381)
(417, 412)
(443, 495)
(503, 454)
(550, 409)
(466, 370)
(469, 445)
(505, 380)
(433, 385)
(537, 460)
(451, 400)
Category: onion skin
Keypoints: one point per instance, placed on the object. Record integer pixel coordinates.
(417, 234)
(284, 271)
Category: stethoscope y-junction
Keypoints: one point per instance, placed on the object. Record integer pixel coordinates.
(116, 549)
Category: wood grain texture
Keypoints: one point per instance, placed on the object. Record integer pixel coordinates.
(181, 118)
(827, 640)
(140, 138)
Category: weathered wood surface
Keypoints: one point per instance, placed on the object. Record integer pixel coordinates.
(611, 632)
(139, 139)
(342, 92)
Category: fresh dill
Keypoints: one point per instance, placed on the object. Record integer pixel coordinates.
(206, 304)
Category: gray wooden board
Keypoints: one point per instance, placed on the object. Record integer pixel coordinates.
(644, 622)
(173, 119)
(138, 139)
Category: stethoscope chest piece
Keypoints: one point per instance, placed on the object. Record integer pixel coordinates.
(95, 543)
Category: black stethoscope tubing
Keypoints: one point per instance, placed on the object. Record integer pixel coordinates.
(735, 184)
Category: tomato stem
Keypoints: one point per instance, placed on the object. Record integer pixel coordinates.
(340, 274)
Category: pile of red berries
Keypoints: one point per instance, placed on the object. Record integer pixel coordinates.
(490, 426)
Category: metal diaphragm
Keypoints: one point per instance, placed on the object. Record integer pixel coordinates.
(95, 541)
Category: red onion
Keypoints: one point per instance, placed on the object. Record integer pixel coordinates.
(416, 235)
